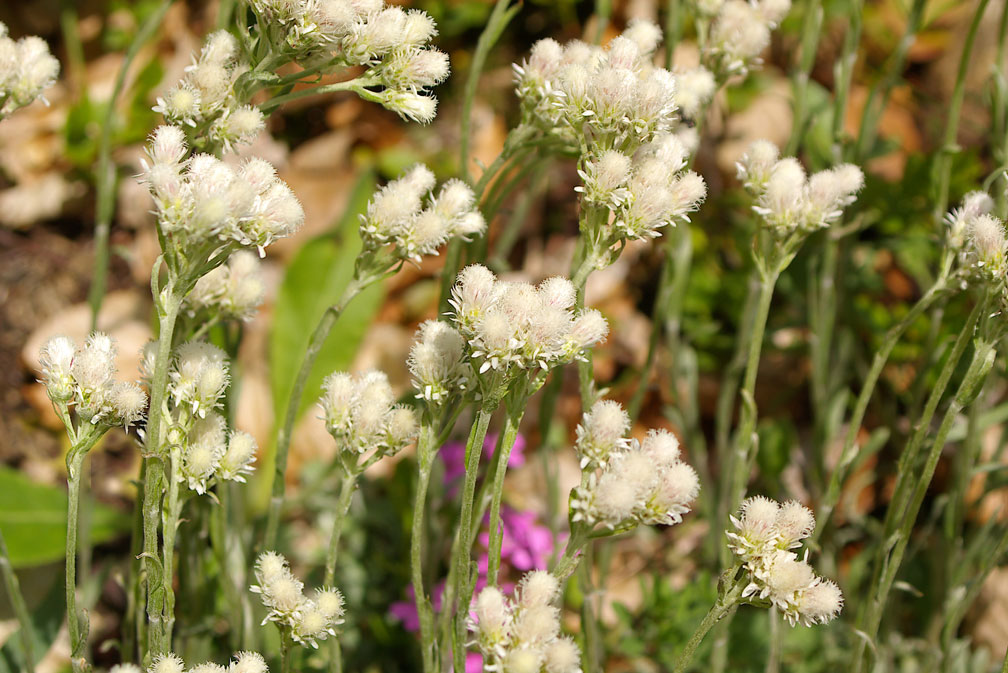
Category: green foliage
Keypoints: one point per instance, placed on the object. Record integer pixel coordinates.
(657, 629)
(33, 517)
(47, 615)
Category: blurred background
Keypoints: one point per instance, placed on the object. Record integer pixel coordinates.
(332, 150)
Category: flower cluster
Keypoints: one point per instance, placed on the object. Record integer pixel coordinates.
(739, 32)
(960, 220)
(84, 378)
(980, 241)
(308, 620)
(361, 414)
(437, 362)
(391, 42)
(208, 452)
(627, 482)
(243, 662)
(766, 533)
(205, 98)
(643, 193)
(202, 203)
(609, 97)
(515, 326)
(27, 68)
(198, 377)
(522, 634)
(233, 291)
(397, 215)
(790, 202)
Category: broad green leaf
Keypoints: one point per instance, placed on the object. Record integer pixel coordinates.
(315, 280)
(33, 519)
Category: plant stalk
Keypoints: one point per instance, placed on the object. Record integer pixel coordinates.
(283, 440)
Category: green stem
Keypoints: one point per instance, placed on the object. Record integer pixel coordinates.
(286, 651)
(105, 172)
(673, 28)
(133, 621)
(426, 450)
(464, 581)
(227, 577)
(906, 476)
(589, 615)
(733, 374)
(844, 71)
(315, 343)
(889, 563)
(347, 487)
(78, 632)
(17, 603)
(498, 21)
(357, 85)
(773, 656)
(739, 460)
(154, 456)
(850, 451)
(810, 32)
(510, 434)
(942, 177)
(725, 603)
(169, 531)
(667, 309)
(823, 321)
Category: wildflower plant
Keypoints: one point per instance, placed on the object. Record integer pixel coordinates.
(631, 124)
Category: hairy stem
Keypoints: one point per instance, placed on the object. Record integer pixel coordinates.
(503, 455)
(464, 580)
(942, 176)
(739, 459)
(78, 633)
(105, 173)
(849, 452)
(348, 484)
(725, 604)
(154, 456)
(888, 563)
(318, 339)
(170, 524)
(426, 450)
(499, 18)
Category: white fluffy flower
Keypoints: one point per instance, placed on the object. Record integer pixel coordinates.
(407, 215)
(27, 68)
(765, 534)
(629, 482)
(522, 633)
(360, 413)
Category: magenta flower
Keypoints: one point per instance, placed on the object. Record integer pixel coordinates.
(526, 544)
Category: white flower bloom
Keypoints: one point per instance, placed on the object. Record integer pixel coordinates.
(27, 68)
(523, 633)
(56, 360)
(237, 461)
(765, 534)
(205, 445)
